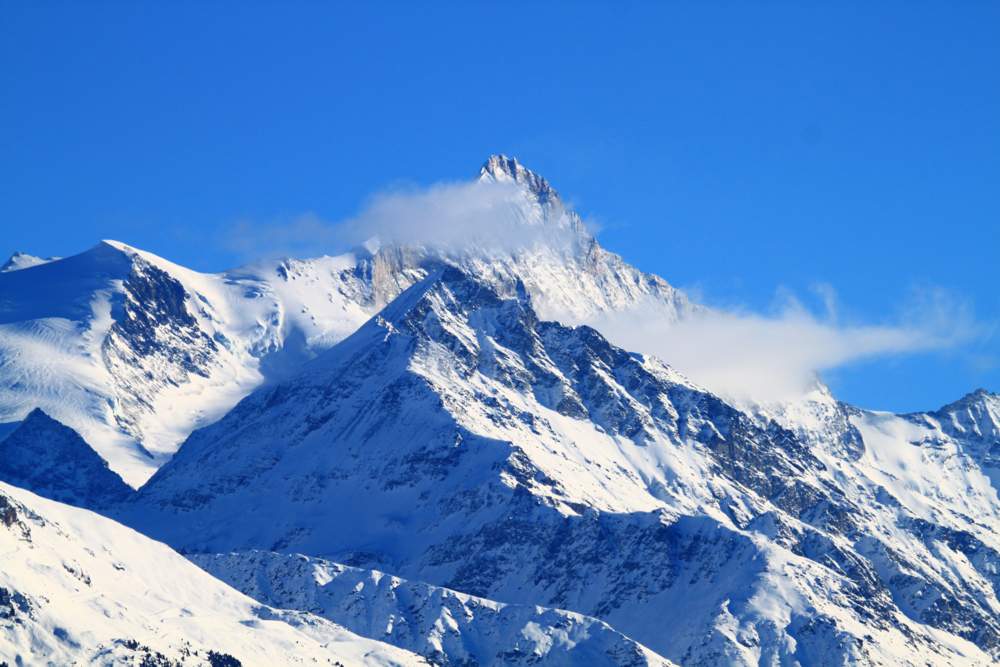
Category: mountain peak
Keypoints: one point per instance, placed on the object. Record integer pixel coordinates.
(500, 168)
(980, 396)
(22, 260)
(976, 415)
(119, 246)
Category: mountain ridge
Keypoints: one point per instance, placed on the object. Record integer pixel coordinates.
(418, 411)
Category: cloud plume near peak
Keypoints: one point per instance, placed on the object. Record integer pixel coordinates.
(739, 354)
(490, 217)
(775, 357)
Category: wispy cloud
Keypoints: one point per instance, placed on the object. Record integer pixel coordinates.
(449, 217)
(777, 356)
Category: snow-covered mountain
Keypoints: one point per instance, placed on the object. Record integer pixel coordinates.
(458, 467)
(134, 352)
(445, 626)
(77, 588)
(457, 439)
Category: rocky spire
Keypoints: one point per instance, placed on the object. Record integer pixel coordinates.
(502, 169)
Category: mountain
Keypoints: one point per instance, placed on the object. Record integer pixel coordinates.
(77, 588)
(413, 434)
(445, 626)
(134, 352)
(459, 440)
(54, 461)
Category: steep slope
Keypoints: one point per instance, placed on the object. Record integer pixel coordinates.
(447, 627)
(53, 461)
(76, 588)
(134, 352)
(457, 439)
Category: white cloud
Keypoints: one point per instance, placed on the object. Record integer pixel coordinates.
(486, 216)
(750, 356)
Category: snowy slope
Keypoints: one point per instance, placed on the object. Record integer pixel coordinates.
(134, 352)
(457, 439)
(445, 626)
(76, 588)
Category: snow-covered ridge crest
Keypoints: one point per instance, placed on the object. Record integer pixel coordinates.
(975, 416)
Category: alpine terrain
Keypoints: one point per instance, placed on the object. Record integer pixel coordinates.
(415, 453)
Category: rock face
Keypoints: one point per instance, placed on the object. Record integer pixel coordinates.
(444, 626)
(53, 461)
(77, 588)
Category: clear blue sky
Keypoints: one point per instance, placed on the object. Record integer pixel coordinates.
(735, 147)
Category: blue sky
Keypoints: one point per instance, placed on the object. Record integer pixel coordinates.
(746, 151)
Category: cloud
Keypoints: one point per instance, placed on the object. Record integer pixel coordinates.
(734, 352)
(752, 356)
(449, 217)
